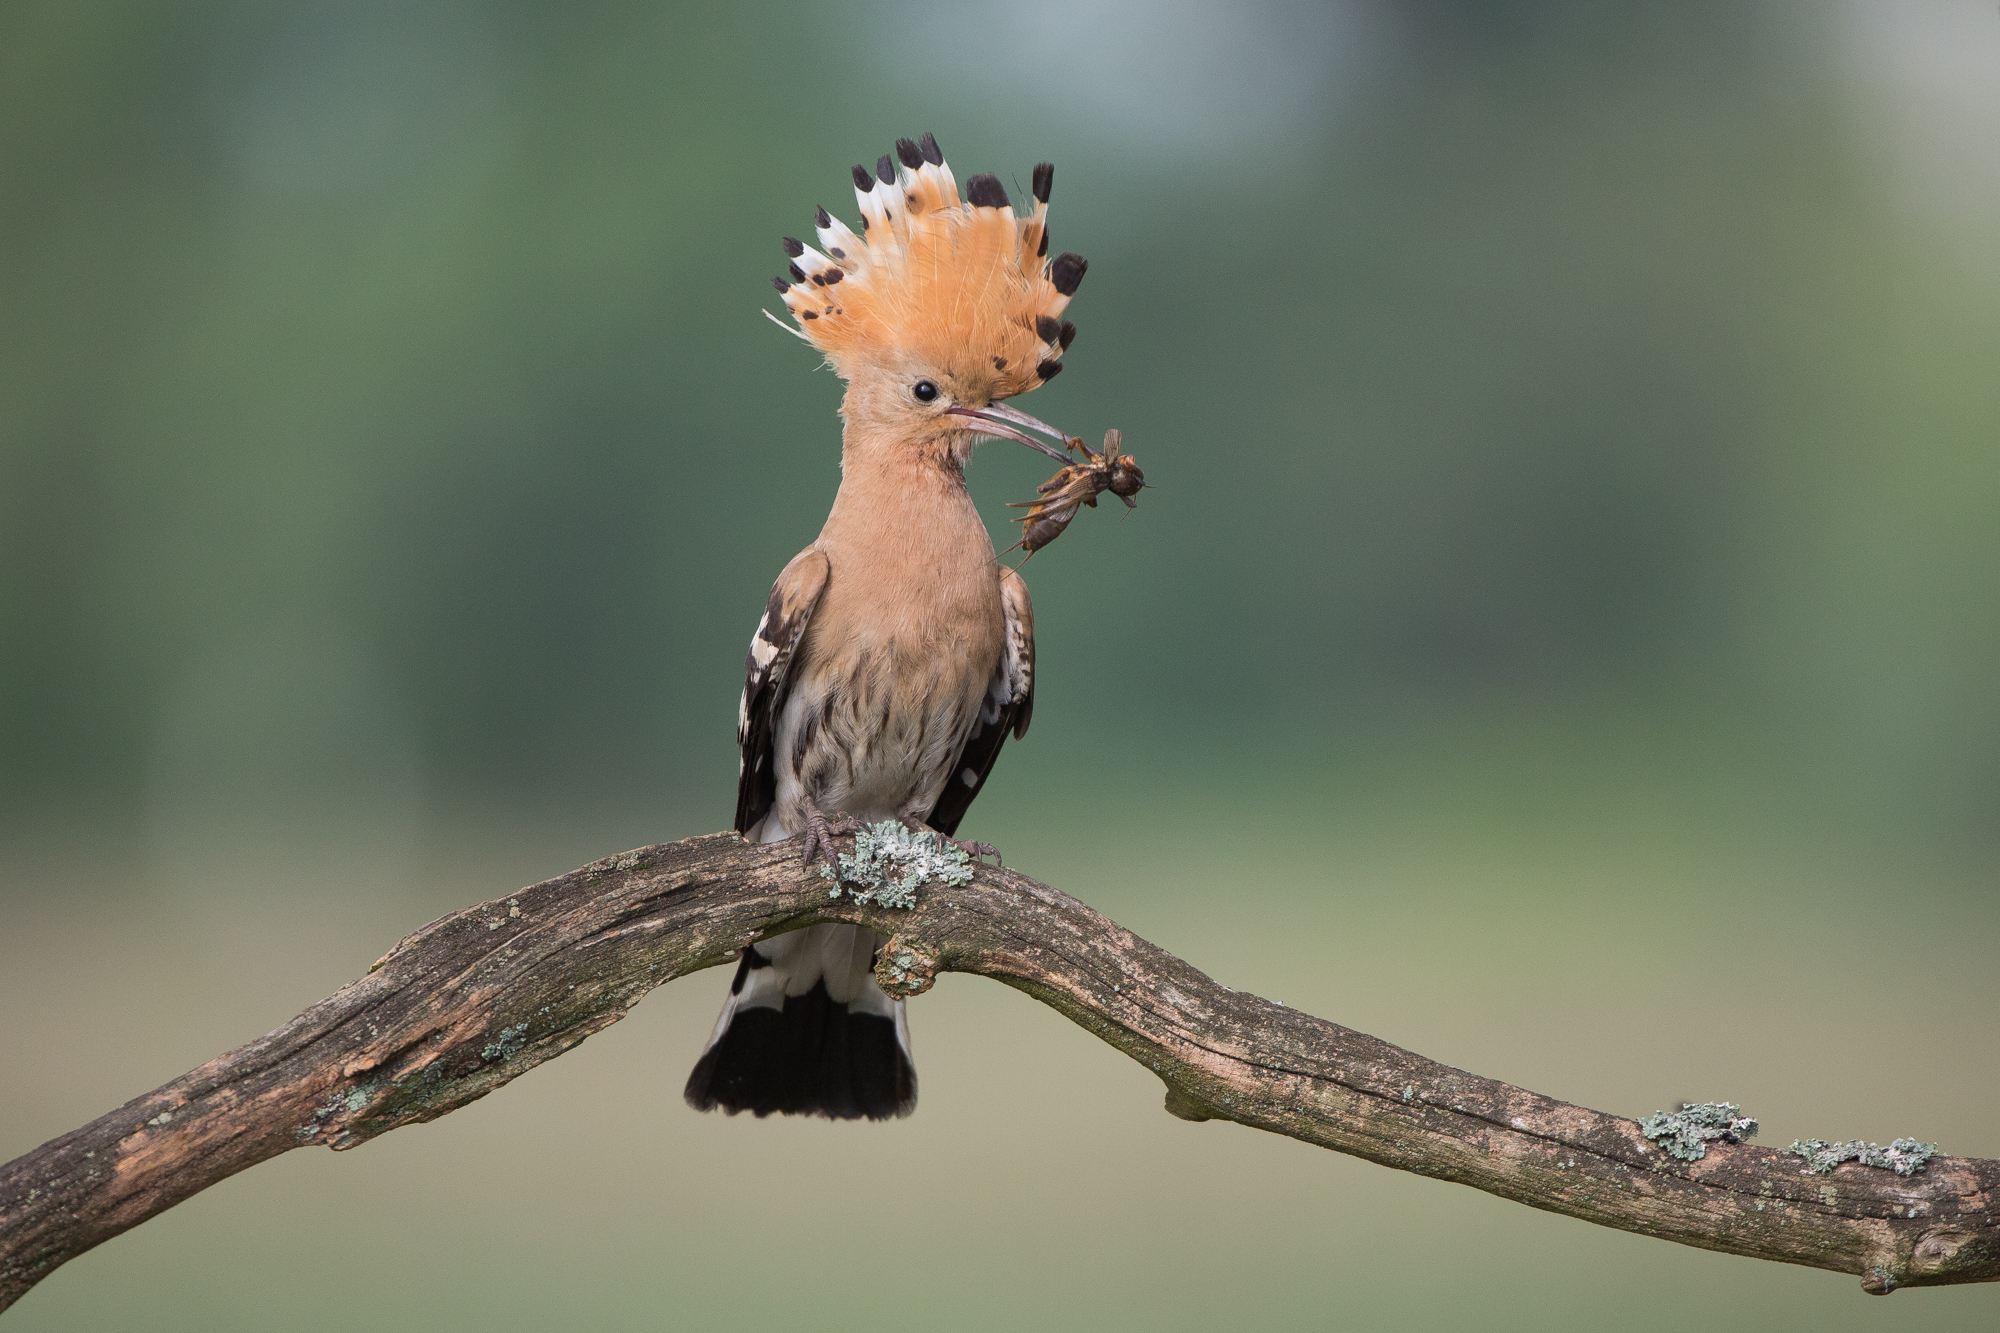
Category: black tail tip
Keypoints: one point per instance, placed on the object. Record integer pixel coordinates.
(928, 146)
(1045, 176)
(812, 1058)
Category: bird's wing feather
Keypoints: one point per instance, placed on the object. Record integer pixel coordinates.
(793, 599)
(1009, 704)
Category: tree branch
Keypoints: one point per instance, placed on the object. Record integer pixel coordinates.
(481, 996)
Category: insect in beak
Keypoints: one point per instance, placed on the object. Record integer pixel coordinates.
(994, 420)
(1078, 484)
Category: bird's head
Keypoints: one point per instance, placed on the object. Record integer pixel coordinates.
(940, 309)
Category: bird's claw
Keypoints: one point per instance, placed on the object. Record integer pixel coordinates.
(973, 849)
(820, 833)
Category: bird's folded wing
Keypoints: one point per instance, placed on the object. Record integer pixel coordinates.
(793, 599)
(1009, 703)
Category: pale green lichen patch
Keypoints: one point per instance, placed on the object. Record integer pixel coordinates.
(511, 1041)
(901, 962)
(350, 1101)
(1905, 1157)
(1686, 1132)
(890, 863)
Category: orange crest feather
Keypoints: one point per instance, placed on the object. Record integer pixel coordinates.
(963, 287)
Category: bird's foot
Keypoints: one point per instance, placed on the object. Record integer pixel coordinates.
(975, 850)
(820, 833)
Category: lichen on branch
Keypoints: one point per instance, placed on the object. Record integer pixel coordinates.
(1905, 1157)
(1687, 1131)
(890, 863)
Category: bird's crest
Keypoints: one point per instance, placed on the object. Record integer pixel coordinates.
(958, 285)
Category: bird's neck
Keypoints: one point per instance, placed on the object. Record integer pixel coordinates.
(904, 501)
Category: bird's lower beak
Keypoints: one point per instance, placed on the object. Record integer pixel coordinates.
(1000, 420)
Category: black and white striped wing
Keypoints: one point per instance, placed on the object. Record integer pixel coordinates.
(1010, 703)
(793, 599)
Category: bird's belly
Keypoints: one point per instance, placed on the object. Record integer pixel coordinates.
(874, 744)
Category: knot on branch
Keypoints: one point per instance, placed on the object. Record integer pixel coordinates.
(902, 972)
(1935, 1254)
(1184, 1107)
(1936, 1251)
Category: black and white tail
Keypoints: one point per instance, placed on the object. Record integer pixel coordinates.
(806, 1031)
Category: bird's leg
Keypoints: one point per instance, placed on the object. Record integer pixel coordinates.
(975, 850)
(820, 833)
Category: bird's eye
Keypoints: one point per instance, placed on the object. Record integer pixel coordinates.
(925, 391)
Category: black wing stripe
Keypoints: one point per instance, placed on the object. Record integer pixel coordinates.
(793, 599)
(1010, 702)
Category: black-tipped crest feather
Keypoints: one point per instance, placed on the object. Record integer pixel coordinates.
(1067, 272)
(984, 191)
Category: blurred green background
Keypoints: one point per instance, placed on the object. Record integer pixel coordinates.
(1563, 640)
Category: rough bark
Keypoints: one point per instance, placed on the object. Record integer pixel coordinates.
(478, 997)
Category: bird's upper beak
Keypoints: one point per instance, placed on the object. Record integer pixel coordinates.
(1003, 421)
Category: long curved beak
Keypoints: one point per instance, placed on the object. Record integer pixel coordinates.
(1000, 420)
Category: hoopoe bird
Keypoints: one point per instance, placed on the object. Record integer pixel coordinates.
(896, 653)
